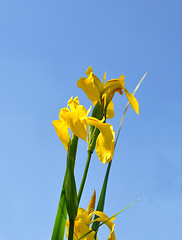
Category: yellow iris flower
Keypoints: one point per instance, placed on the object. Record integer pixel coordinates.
(83, 220)
(74, 118)
(97, 90)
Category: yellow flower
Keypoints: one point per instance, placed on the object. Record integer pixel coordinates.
(83, 220)
(105, 140)
(96, 91)
(74, 118)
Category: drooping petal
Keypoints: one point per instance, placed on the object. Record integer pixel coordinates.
(102, 218)
(75, 121)
(105, 141)
(62, 131)
(116, 85)
(132, 100)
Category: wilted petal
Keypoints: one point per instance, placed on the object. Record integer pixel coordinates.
(132, 100)
(62, 131)
(105, 141)
(102, 218)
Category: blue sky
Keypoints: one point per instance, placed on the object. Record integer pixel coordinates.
(45, 47)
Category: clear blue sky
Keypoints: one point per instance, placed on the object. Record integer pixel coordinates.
(45, 47)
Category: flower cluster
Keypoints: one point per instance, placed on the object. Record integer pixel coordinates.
(74, 117)
(100, 136)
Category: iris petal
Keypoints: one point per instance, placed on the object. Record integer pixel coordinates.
(132, 100)
(91, 86)
(102, 218)
(73, 103)
(91, 204)
(62, 131)
(105, 141)
(75, 120)
(110, 110)
(80, 229)
(89, 70)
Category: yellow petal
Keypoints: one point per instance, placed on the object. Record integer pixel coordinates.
(132, 100)
(114, 84)
(82, 214)
(81, 229)
(89, 70)
(105, 141)
(89, 88)
(104, 78)
(102, 218)
(81, 226)
(62, 132)
(91, 204)
(91, 85)
(75, 120)
(121, 79)
(110, 110)
(73, 103)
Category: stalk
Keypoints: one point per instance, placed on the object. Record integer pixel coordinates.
(71, 229)
(84, 176)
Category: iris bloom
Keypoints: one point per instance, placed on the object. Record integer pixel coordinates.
(74, 118)
(98, 91)
(84, 219)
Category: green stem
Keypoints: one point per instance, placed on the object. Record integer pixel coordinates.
(84, 176)
(71, 229)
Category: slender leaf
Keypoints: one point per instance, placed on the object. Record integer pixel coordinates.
(61, 216)
(100, 206)
(126, 108)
